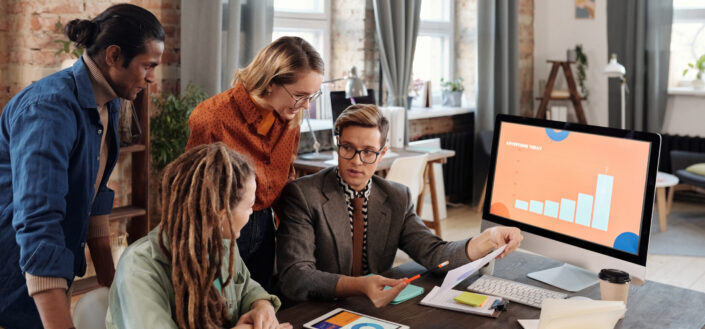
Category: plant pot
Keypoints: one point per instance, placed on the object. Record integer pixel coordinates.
(699, 84)
(571, 55)
(452, 98)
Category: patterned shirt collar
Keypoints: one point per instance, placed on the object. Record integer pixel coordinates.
(101, 88)
(350, 192)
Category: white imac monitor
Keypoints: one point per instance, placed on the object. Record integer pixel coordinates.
(580, 194)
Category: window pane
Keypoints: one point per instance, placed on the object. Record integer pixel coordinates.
(435, 10)
(430, 59)
(299, 6)
(688, 4)
(687, 44)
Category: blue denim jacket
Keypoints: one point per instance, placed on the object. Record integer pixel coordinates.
(50, 136)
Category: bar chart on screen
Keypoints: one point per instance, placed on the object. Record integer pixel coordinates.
(580, 185)
(592, 210)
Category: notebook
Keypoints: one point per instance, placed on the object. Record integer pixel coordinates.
(409, 292)
(445, 300)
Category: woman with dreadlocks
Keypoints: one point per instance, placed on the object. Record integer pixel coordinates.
(193, 276)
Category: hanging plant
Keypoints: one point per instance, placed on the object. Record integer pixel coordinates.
(581, 65)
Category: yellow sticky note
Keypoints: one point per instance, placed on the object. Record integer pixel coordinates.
(471, 299)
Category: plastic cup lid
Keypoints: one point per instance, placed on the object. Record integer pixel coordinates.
(614, 276)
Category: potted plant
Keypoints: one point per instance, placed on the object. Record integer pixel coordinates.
(699, 67)
(169, 130)
(581, 65)
(452, 92)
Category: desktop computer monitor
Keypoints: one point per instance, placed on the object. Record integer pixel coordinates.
(580, 194)
(339, 103)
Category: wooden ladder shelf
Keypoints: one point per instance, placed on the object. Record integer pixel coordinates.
(574, 95)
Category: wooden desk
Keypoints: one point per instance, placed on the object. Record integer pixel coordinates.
(305, 167)
(653, 305)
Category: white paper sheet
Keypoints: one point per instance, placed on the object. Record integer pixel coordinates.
(577, 314)
(459, 274)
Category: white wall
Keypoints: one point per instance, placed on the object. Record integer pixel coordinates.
(555, 30)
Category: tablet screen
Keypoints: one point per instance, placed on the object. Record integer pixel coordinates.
(348, 320)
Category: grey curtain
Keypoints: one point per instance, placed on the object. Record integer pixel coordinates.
(497, 73)
(497, 61)
(220, 36)
(639, 32)
(397, 27)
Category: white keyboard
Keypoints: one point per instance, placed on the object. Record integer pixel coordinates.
(514, 291)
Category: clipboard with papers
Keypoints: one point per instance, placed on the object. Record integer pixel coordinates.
(442, 297)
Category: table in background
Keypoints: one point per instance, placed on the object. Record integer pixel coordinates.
(664, 180)
(305, 167)
(653, 305)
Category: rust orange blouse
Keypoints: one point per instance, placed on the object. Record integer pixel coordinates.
(233, 118)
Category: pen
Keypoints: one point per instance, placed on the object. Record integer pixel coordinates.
(426, 272)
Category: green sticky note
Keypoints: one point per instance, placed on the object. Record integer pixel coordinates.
(409, 292)
(471, 299)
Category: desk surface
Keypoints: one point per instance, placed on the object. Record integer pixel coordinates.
(653, 305)
(310, 166)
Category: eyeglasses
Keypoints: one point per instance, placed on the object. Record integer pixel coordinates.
(348, 152)
(310, 99)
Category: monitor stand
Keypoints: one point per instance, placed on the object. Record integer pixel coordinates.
(566, 277)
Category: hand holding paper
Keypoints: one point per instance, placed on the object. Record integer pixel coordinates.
(443, 297)
(461, 273)
(493, 238)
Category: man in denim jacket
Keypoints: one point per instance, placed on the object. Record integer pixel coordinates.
(58, 146)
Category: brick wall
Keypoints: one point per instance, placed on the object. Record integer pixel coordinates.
(353, 42)
(28, 31)
(27, 52)
(466, 45)
(526, 57)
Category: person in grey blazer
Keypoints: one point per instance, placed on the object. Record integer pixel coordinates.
(315, 236)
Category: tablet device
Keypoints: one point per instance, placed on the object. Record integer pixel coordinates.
(341, 318)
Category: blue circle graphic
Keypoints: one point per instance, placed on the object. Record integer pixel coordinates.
(628, 242)
(367, 325)
(557, 135)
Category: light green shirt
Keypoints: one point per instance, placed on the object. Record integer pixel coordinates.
(142, 294)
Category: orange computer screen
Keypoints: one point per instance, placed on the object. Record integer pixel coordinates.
(590, 187)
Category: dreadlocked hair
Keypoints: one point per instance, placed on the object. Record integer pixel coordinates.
(197, 190)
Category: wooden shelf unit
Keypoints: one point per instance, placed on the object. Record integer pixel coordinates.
(572, 88)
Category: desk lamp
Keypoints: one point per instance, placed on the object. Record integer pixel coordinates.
(616, 70)
(354, 88)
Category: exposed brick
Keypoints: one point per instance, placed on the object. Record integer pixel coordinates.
(94, 7)
(63, 7)
(170, 57)
(44, 58)
(170, 32)
(526, 55)
(35, 22)
(169, 16)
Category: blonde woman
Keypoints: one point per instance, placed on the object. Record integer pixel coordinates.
(259, 117)
(187, 272)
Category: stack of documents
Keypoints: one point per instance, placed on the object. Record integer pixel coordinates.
(577, 314)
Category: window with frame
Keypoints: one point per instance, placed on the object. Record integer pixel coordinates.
(307, 19)
(434, 55)
(687, 40)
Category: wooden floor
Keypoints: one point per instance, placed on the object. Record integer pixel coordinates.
(682, 271)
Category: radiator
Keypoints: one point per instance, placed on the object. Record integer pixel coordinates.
(457, 172)
(681, 143)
